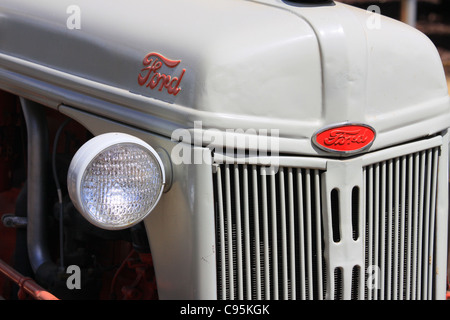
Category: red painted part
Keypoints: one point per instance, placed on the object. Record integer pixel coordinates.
(345, 138)
(26, 284)
(448, 289)
(152, 63)
(135, 278)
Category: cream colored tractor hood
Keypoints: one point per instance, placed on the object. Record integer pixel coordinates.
(227, 64)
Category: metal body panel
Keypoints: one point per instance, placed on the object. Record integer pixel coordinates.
(315, 66)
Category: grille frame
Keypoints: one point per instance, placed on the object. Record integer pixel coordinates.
(348, 255)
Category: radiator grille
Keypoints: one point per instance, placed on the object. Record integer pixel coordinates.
(270, 231)
(400, 224)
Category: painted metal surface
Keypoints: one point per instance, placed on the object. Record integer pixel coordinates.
(348, 138)
(27, 286)
(240, 64)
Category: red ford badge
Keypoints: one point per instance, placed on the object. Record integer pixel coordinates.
(344, 138)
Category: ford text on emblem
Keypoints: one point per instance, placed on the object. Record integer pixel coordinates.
(344, 138)
(152, 77)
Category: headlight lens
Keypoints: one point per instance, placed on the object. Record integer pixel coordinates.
(115, 180)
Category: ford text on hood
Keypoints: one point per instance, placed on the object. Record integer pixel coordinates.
(225, 149)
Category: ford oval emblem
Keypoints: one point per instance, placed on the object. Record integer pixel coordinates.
(344, 138)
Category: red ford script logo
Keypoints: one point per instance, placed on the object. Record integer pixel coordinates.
(153, 78)
(347, 138)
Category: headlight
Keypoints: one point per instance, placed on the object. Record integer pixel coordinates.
(115, 180)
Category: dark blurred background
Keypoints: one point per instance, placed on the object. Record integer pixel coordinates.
(432, 17)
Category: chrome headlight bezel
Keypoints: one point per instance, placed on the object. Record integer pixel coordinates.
(87, 156)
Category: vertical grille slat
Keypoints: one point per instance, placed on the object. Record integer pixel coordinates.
(222, 276)
(265, 246)
(284, 235)
(301, 236)
(238, 232)
(257, 248)
(402, 213)
(291, 225)
(382, 214)
(409, 244)
(246, 228)
(271, 240)
(415, 231)
(230, 246)
(433, 219)
(369, 257)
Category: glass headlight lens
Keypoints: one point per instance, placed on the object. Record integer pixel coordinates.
(115, 180)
